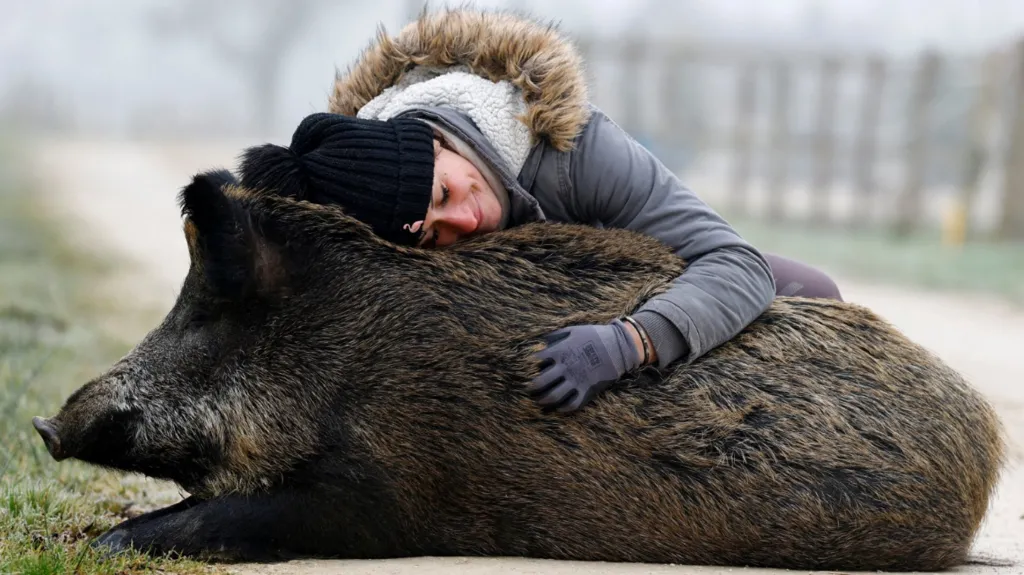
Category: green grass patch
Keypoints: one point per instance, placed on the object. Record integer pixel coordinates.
(53, 340)
(917, 261)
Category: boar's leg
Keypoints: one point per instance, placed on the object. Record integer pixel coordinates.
(270, 527)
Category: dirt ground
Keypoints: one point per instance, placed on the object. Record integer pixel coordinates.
(122, 196)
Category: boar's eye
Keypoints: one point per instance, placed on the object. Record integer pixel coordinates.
(201, 317)
(198, 318)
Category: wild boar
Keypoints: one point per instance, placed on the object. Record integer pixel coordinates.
(321, 392)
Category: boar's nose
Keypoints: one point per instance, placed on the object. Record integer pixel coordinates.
(49, 434)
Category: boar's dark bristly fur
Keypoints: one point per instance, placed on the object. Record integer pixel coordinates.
(322, 392)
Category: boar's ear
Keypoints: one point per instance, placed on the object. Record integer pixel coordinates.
(224, 242)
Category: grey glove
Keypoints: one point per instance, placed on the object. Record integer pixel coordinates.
(580, 362)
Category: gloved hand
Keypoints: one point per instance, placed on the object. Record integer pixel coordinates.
(580, 362)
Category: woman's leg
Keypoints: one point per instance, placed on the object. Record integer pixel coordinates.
(793, 278)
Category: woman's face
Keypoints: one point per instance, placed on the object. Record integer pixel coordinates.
(463, 204)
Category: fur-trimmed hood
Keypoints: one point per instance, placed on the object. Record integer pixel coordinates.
(534, 57)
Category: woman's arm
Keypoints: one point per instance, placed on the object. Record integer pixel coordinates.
(727, 283)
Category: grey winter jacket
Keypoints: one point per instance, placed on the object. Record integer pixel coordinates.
(610, 180)
(561, 159)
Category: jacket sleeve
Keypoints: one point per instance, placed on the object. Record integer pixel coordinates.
(727, 282)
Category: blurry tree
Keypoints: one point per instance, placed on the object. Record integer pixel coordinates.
(253, 37)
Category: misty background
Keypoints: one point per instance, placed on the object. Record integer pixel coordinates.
(141, 68)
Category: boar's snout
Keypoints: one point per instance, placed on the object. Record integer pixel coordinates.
(48, 432)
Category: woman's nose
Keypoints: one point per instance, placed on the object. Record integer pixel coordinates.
(459, 218)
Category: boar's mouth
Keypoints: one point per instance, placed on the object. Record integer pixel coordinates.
(48, 432)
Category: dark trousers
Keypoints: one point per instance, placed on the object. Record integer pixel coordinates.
(793, 278)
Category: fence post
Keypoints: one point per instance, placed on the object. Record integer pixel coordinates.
(630, 65)
(746, 96)
(778, 154)
(824, 141)
(672, 124)
(867, 142)
(908, 208)
(585, 48)
(975, 153)
(1011, 221)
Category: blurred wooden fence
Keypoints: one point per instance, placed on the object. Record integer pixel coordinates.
(959, 119)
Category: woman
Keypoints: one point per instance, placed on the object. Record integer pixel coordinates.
(470, 122)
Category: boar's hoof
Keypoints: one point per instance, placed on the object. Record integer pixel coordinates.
(112, 542)
(49, 434)
(119, 540)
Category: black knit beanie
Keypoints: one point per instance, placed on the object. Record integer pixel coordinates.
(380, 172)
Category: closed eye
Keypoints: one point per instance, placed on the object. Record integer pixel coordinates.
(434, 233)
